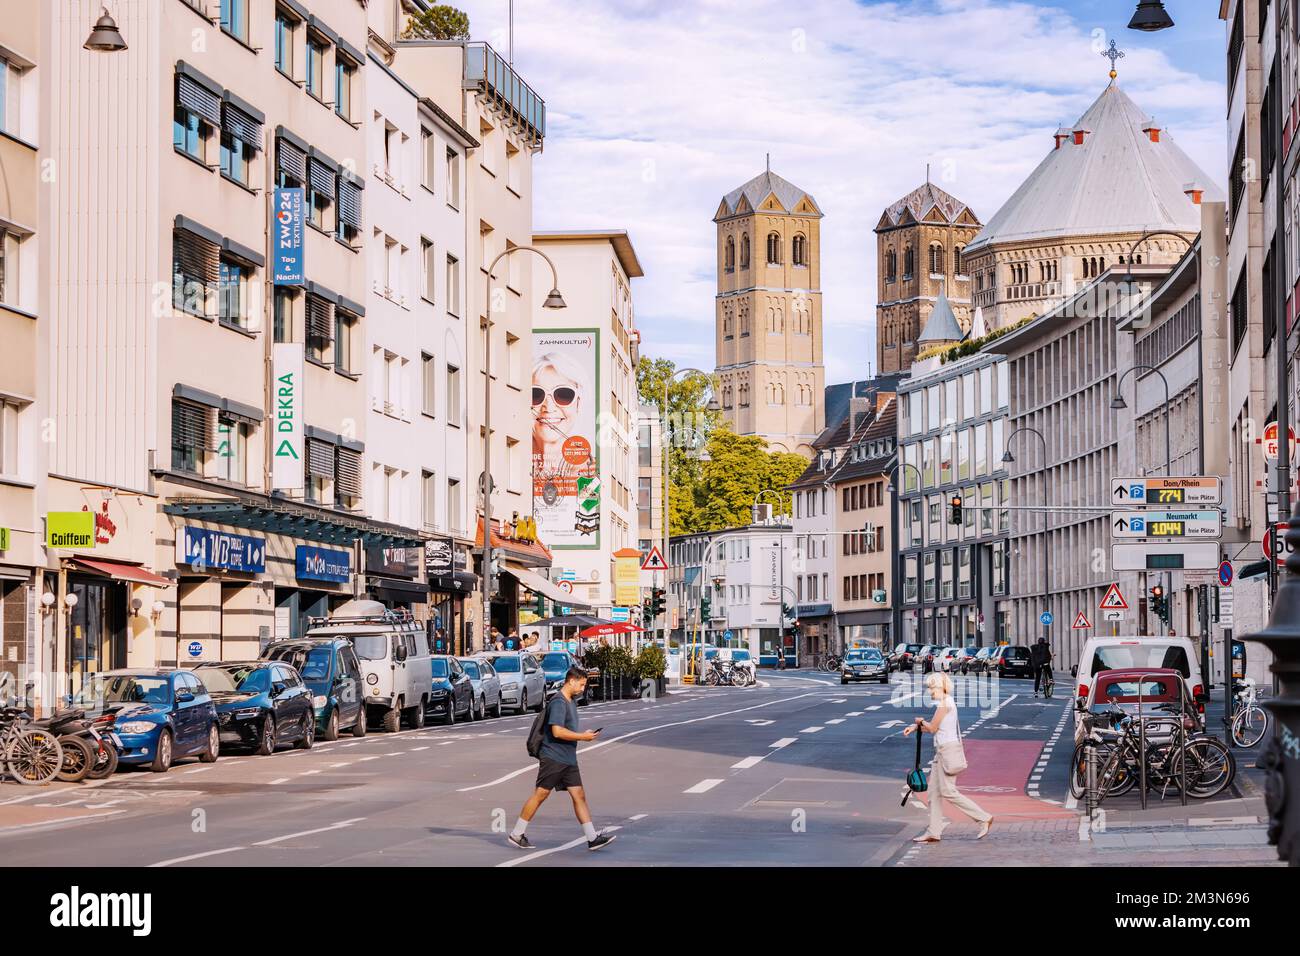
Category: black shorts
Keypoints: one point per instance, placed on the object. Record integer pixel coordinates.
(553, 775)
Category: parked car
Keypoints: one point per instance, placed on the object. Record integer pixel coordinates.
(1127, 653)
(160, 714)
(453, 691)
(925, 657)
(1011, 660)
(523, 685)
(555, 664)
(945, 659)
(961, 660)
(979, 664)
(331, 671)
(260, 704)
(394, 653)
(865, 664)
(904, 656)
(1157, 693)
(741, 658)
(487, 686)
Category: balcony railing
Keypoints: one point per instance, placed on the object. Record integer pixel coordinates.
(489, 73)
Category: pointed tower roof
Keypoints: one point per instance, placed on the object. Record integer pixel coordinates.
(1109, 175)
(749, 197)
(942, 325)
(920, 202)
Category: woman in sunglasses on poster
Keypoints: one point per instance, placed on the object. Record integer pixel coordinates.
(558, 387)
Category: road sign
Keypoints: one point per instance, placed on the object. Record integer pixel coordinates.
(1081, 621)
(1270, 440)
(618, 615)
(654, 561)
(565, 586)
(726, 635)
(1173, 490)
(1046, 619)
(1166, 524)
(1166, 555)
(1113, 600)
(1113, 615)
(1225, 607)
(1225, 573)
(1274, 543)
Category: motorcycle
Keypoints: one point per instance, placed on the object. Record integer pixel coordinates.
(90, 748)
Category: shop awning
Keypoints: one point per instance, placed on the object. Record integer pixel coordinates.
(539, 585)
(395, 589)
(532, 553)
(462, 582)
(120, 571)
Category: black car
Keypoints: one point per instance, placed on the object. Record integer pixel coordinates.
(904, 656)
(962, 661)
(331, 671)
(925, 657)
(867, 664)
(1011, 660)
(979, 664)
(453, 690)
(260, 704)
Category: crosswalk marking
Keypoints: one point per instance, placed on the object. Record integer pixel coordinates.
(703, 786)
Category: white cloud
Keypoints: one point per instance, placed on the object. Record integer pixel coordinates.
(656, 109)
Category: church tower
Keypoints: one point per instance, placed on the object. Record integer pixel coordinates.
(919, 245)
(769, 313)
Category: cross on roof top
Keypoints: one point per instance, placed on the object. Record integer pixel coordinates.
(1113, 54)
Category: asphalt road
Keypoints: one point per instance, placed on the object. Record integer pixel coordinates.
(798, 771)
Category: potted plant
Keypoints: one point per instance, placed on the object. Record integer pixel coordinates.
(650, 666)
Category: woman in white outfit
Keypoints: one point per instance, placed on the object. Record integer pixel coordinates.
(947, 743)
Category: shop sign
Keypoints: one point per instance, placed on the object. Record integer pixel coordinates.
(393, 562)
(4, 539)
(289, 232)
(69, 529)
(322, 564)
(627, 579)
(439, 556)
(523, 530)
(288, 431)
(201, 549)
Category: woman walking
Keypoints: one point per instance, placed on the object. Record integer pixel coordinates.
(949, 760)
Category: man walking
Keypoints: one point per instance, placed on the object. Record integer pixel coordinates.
(1040, 659)
(558, 763)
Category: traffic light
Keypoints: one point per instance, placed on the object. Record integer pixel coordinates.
(1160, 603)
(541, 605)
(954, 513)
(785, 613)
(657, 603)
(706, 608)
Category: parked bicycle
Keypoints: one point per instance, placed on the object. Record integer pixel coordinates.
(1249, 720)
(831, 663)
(30, 755)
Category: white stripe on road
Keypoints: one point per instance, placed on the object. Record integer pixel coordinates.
(195, 856)
(812, 730)
(746, 763)
(308, 773)
(564, 846)
(783, 742)
(837, 720)
(874, 707)
(854, 713)
(704, 786)
(293, 836)
(639, 816)
(635, 733)
(279, 780)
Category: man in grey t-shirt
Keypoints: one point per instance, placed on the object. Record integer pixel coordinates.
(558, 763)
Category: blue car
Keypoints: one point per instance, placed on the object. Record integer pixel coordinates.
(555, 664)
(260, 704)
(161, 715)
(331, 671)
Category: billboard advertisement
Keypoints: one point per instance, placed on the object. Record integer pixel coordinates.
(289, 223)
(287, 442)
(566, 457)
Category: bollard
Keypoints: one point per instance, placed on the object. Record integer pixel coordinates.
(1281, 759)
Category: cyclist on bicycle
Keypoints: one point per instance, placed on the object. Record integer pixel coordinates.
(1040, 659)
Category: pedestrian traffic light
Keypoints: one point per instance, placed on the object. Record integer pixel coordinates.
(657, 604)
(954, 514)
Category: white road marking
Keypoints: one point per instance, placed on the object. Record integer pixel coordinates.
(196, 770)
(293, 836)
(746, 763)
(812, 730)
(783, 742)
(341, 763)
(195, 856)
(564, 846)
(308, 773)
(639, 816)
(838, 700)
(704, 786)
(836, 720)
(644, 730)
(874, 707)
(892, 723)
(759, 722)
(279, 780)
(854, 713)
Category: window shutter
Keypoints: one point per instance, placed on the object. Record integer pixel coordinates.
(291, 160)
(195, 256)
(192, 426)
(198, 99)
(320, 320)
(349, 472)
(350, 203)
(320, 458)
(239, 124)
(320, 176)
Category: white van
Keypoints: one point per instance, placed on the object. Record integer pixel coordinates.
(394, 653)
(1121, 653)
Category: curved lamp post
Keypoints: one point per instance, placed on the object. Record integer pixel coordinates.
(891, 488)
(553, 301)
(1007, 459)
(1118, 403)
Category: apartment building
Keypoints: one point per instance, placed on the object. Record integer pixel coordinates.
(747, 575)
(23, 383)
(585, 406)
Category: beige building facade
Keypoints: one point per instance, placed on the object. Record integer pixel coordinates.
(769, 313)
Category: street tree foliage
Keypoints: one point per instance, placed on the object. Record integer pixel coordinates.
(439, 22)
(715, 473)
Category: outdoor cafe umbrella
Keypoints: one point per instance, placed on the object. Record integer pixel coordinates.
(605, 630)
(568, 620)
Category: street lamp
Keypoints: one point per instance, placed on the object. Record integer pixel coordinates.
(1008, 458)
(713, 406)
(105, 37)
(1118, 403)
(1150, 16)
(780, 540)
(891, 488)
(553, 301)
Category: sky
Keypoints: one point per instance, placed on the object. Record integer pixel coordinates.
(657, 108)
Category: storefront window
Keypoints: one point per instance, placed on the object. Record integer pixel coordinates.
(231, 455)
(96, 630)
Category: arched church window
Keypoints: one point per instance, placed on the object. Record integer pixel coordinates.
(909, 263)
(744, 252)
(731, 254)
(936, 259)
(773, 249)
(799, 251)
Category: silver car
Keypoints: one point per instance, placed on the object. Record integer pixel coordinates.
(487, 687)
(523, 684)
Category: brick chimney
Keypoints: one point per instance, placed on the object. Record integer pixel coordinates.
(1152, 129)
(1061, 135)
(1079, 133)
(1194, 191)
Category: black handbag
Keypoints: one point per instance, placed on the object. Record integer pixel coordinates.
(916, 782)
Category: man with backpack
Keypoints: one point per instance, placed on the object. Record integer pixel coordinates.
(1040, 661)
(553, 740)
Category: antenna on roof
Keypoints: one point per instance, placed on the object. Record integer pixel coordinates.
(511, 51)
(769, 164)
(927, 174)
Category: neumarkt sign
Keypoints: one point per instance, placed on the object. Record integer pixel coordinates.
(69, 529)
(287, 434)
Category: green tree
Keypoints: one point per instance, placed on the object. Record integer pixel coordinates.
(737, 468)
(688, 424)
(439, 22)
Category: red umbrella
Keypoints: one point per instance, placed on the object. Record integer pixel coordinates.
(605, 630)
